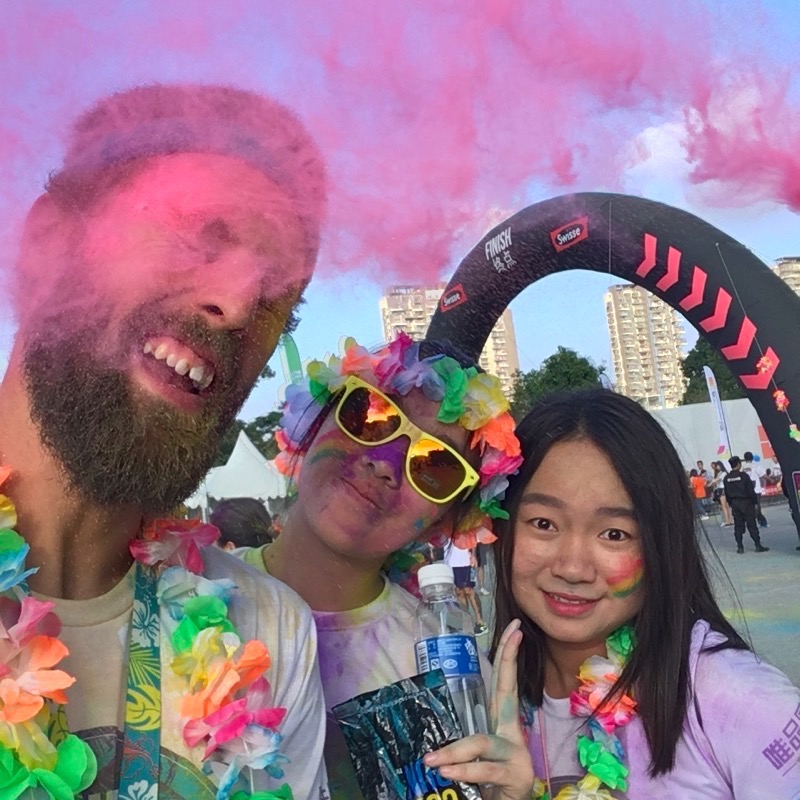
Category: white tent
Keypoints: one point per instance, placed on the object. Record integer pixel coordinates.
(246, 474)
(695, 432)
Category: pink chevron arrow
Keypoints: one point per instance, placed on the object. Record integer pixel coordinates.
(670, 277)
(720, 315)
(649, 260)
(695, 297)
(742, 345)
(761, 380)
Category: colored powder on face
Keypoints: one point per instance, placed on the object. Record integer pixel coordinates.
(424, 522)
(392, 453)
(328, 452)
(628, 580)
(328, 445)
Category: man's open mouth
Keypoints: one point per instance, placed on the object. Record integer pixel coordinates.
(178, 364)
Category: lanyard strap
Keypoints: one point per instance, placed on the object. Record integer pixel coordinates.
(141, 742)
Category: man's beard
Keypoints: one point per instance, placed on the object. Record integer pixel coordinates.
(116, 448)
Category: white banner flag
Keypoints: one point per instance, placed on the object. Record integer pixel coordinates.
(724, 448)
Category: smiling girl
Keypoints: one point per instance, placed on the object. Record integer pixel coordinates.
(632, 683)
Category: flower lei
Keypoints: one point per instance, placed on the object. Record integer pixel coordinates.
(225, 706)
(36, 751)
(600, 751)
(473, 400)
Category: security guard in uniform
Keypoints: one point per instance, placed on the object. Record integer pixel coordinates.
(740, 492)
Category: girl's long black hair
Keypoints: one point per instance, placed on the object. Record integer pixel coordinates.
(677, 589)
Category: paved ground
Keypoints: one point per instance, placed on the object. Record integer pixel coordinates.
(766, 600)
(759, 592)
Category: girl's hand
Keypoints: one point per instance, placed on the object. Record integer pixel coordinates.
(505, 762)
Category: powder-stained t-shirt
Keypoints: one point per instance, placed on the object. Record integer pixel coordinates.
(741, 736)
(96, 633)
(360, 650)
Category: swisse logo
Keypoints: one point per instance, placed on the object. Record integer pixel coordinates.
(570, 234)
(452, 298)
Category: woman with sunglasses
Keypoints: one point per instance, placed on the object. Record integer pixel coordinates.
(386, 449)
(632, 682)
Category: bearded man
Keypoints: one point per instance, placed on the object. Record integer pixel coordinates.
(156, 274)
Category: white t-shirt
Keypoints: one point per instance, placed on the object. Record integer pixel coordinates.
(456, 557)
(756, 474)
(360, 650)
(96, 633)
(744, 744)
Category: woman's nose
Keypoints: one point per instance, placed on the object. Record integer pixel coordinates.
(573, 560)
(387, 461)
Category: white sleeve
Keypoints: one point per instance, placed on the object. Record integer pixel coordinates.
(303, 728)
(270, 611)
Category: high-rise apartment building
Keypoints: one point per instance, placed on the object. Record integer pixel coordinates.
(410, 309)
(647, 342)
(788, 269)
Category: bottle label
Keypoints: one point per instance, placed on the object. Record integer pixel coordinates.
(456, 654)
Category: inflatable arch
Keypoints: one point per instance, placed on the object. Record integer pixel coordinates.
(731, 297)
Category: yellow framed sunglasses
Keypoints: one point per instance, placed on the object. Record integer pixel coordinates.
(433, 468)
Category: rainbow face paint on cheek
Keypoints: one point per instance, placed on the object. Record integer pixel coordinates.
(628, 579)
(329, 445)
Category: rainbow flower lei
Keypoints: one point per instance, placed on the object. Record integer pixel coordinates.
(472, 399)
(600, 751)
(36, 752)
(225, 708)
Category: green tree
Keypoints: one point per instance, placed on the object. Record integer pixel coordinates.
(704, 355)
(260, 431)
(565, 369)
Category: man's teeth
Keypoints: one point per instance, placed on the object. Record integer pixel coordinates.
(201, 374)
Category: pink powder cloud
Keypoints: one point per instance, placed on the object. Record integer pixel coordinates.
(428, 112)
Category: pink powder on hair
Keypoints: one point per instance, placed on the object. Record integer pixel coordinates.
(170, 163)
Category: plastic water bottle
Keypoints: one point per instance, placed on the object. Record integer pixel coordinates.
(445, 641)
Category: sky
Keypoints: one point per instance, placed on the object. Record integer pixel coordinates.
(439, 118)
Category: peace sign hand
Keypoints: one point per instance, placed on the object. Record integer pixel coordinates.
(504, 763)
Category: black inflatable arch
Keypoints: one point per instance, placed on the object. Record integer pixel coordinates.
(733, 299)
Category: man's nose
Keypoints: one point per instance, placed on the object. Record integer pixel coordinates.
(229, 301)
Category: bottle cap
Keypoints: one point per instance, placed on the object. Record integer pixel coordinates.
(430, 574)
